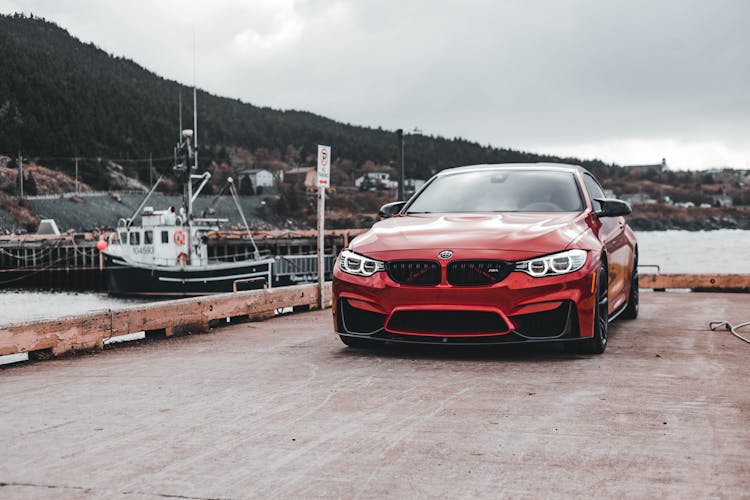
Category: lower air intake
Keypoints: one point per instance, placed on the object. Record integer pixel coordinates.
(447, 323)
(548, 324)
(356, 320)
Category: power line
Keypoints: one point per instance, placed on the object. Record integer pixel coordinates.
(100, 158)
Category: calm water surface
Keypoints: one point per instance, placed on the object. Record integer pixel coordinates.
(27, 305)
(723, 251)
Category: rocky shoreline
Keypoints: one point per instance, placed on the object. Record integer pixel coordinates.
(710, 224)
(103, 212)
(663, 218)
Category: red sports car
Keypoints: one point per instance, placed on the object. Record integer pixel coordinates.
(491, 254)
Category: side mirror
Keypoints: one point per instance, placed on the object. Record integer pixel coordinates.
(391, 209)
(612, 208)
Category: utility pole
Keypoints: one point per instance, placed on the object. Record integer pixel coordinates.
(20, 178)
(400, 139)
(76, 175)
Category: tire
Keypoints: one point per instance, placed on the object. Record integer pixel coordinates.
(631, 311)
(598, 343)
(354, 342)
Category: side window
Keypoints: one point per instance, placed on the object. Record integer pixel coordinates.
(148, 237)
(124, 238)
(135, 238)
(594, 190)
(165, 236)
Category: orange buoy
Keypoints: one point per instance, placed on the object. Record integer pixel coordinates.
(182, 258)
(179, 237)
(101, 245)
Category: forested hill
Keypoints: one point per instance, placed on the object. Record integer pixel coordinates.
(60, 97)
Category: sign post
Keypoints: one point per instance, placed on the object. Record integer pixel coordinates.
(324, 180)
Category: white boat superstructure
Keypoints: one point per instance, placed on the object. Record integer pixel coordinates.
(162, 239)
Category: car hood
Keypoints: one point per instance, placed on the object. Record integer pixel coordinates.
(507, 235)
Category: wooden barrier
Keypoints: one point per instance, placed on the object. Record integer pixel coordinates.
(88, 332)
(708, 282)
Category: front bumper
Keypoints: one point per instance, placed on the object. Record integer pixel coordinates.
(519, 309)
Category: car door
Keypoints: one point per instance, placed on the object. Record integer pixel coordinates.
(619, 254)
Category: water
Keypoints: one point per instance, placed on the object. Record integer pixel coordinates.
(27, 305)
(722, 251)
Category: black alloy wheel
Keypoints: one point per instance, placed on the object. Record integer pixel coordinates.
(598, 343)
(631, 311)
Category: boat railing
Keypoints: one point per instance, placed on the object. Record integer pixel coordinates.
(287, 265)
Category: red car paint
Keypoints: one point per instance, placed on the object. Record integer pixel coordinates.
(504, 236)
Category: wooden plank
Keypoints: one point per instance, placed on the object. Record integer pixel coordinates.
(695, 281)
(88, 331)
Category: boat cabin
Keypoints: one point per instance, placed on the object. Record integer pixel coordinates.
(163, 238)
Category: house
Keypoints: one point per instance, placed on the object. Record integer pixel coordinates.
(721, 200)
(255, 181)
(685, 204)
(371, 181)
(308, 176)
(657, 168)
(638, 199)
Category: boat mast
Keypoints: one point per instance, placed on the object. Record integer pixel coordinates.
(194, 166)
(189, 166)
(179, 131)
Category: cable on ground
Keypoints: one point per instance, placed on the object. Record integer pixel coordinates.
(715, 325)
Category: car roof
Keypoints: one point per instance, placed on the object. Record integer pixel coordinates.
(548, 166)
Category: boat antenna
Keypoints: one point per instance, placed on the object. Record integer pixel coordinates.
(195, 105)
(179, 99)
(195, 126)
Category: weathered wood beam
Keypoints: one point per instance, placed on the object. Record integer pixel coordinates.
(88, 332)
(695, 281)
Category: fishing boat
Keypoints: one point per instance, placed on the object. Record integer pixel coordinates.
(166, 254)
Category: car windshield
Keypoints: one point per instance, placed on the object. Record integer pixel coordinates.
(500, 191)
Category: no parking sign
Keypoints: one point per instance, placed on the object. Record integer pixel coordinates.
(324, 166)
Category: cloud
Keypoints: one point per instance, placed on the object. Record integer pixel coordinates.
(620, 80)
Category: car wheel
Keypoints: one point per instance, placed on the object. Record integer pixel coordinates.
(355, 342)
(598, 343)
(631, 311)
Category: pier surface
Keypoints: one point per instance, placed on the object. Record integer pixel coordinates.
(282, 409)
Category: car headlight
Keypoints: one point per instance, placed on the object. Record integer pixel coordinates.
(359, 265)
(553, 265)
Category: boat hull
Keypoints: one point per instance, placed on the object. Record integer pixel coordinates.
(125, 278)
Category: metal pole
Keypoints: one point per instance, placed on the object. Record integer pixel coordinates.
(188, 195)
(321, 245)
(150, 169)
(20, 177)
(400, 138)
(76, 175)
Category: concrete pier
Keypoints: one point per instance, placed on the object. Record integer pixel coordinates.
(282, 409)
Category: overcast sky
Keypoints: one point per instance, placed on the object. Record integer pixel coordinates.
(627, 81)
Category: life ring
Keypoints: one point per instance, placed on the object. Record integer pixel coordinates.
(179, 237)
(182, 258)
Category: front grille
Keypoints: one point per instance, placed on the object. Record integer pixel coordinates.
(477, 272)
(428, 322)
(414, 272)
